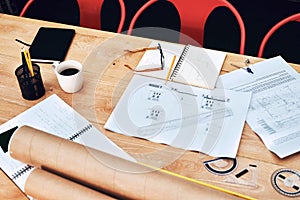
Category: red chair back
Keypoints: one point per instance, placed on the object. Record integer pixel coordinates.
(295, 17)
(90, 13)
(193, 16)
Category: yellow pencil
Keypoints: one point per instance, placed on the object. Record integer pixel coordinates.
(200, 182)
(170, 69)
(28, 61)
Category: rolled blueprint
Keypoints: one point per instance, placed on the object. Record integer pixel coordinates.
(43, 185)
(104, 172)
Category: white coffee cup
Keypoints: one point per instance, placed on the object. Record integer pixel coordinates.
(69, 75)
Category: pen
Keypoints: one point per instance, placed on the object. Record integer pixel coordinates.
(248, 69)
(24, 60)
(24, 43)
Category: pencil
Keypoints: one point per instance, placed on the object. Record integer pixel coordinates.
(28, 61)
(170, 69)
(200, 182)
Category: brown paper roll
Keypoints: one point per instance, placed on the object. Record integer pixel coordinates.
(100, 170)
(43, 185)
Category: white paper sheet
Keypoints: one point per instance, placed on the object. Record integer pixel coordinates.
(274, 112)
(191, 118)
(54, 116)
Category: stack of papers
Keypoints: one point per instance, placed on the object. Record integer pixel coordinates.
(274, 112)
(176, 113)
(178, 105)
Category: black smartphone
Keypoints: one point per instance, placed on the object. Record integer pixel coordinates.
(51, 44)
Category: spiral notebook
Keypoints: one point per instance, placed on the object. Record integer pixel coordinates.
(193, 65)
(54, 116)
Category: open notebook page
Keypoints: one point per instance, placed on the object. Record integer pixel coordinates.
(193, 65)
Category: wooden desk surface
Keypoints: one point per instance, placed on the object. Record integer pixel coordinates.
(101, 93)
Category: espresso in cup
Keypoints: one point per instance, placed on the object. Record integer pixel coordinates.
(69, 75)
(69, 71)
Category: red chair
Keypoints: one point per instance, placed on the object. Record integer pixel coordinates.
(295, 17)
(25, 8)
(90, 11)
(193, 16)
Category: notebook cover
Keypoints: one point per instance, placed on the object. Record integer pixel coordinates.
(51, 44)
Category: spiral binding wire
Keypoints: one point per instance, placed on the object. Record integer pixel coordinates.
(79, 133)
(21, 171)
(180, 61)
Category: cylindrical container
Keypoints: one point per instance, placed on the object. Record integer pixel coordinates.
(32, 87)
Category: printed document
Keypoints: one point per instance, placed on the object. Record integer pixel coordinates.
(274, 112)
(182, 116)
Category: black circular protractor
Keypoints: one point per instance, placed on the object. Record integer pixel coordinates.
(286, 182)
